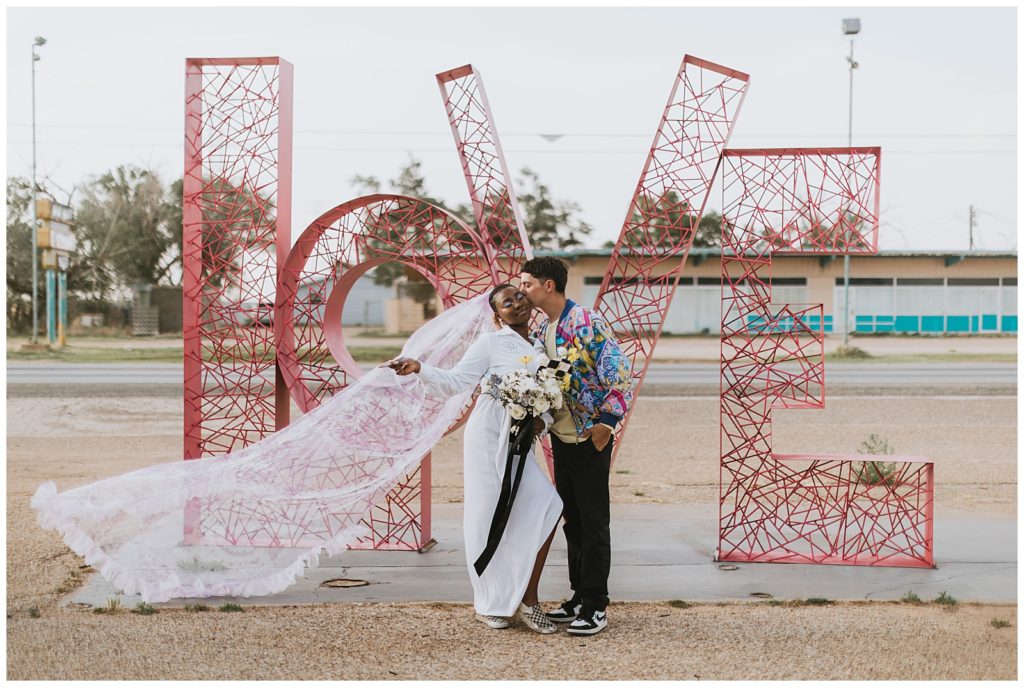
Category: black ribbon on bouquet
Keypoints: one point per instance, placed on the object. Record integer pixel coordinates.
(519, 443)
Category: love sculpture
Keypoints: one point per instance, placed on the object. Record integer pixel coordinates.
(239, 380)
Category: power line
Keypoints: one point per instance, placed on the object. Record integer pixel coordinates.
(369, 132)
(582, 151)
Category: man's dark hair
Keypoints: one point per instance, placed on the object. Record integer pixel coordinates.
(547, 267)
(495, 291)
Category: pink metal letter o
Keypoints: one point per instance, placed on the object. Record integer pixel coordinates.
(342, 245)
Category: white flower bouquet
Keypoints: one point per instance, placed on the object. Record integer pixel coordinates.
(525, 393)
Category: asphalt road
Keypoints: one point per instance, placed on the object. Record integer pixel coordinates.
(48, 379)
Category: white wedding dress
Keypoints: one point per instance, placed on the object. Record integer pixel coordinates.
(537, 506)
(250, 522)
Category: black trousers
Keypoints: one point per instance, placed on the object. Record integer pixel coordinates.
(581, 479)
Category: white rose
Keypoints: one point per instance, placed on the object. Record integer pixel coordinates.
(540, 405)
(517, 412)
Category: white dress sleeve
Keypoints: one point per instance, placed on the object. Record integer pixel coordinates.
(466, 374)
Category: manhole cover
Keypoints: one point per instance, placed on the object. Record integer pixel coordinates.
(761, 595)
(342, 582)
(728, 567)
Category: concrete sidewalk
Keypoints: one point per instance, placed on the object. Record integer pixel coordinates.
(659, 552)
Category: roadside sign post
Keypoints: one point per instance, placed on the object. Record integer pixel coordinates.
(55, 234)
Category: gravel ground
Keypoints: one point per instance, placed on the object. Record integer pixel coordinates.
(669, 456)
(442, 642)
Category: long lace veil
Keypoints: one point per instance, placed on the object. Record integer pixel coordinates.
(248, 523)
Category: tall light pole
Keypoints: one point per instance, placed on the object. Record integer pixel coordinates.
(39, 41)
(851, 27)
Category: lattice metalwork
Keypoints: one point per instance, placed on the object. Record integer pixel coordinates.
(801, 508)
(336, 250)
(667, 206)
(495, 207)
(237, 229)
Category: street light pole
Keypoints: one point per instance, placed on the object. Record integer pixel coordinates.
(39, 41)
(851, 27)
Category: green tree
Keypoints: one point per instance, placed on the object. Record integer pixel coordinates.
(551, 224)
(124, 233)
(667, 223)
(230, 214)
(19, 254)
(387, 228)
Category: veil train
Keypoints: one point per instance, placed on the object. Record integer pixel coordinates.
(248, 523)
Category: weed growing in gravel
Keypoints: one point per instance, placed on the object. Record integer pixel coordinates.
(144, 609)
(196, 608)
(622, 472)
(679, 603)
(996, 622)
(910, 598)
(72, 582)
(33, 612)
(817, 601)
(775, 602)
(113, 606)
(946, 601)
(638, 493)
(875, 472)
(231, 608)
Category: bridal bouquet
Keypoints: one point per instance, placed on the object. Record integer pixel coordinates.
(525, 393)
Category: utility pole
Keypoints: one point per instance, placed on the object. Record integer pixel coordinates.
(851, 27)
(970, 228)
(39, 41)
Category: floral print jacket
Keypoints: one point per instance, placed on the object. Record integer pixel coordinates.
(600, 380)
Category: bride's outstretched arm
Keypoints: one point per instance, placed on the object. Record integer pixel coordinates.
(465, 375)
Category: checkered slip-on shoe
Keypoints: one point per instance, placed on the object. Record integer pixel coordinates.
(588, 622)
(495, 622)
(533, 618)
(566, 613)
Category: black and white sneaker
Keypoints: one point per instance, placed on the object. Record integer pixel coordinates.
(566, 613)
(588, 622)
(495, 622)
(534, 619)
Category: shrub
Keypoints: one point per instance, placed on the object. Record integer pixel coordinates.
(851, 353)
(875, 472)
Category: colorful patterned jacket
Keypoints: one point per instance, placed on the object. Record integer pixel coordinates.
(600, 381)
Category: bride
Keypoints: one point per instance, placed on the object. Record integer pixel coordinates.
(509, 582)
(250, 522)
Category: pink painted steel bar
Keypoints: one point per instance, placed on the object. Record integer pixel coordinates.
(495, 207)
(801, 508)
(236, 209)
(667, 205)
(286, 117)
(192, 245)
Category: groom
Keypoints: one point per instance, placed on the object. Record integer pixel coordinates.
(581, 437)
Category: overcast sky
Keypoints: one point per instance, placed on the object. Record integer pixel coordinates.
(936, 88)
